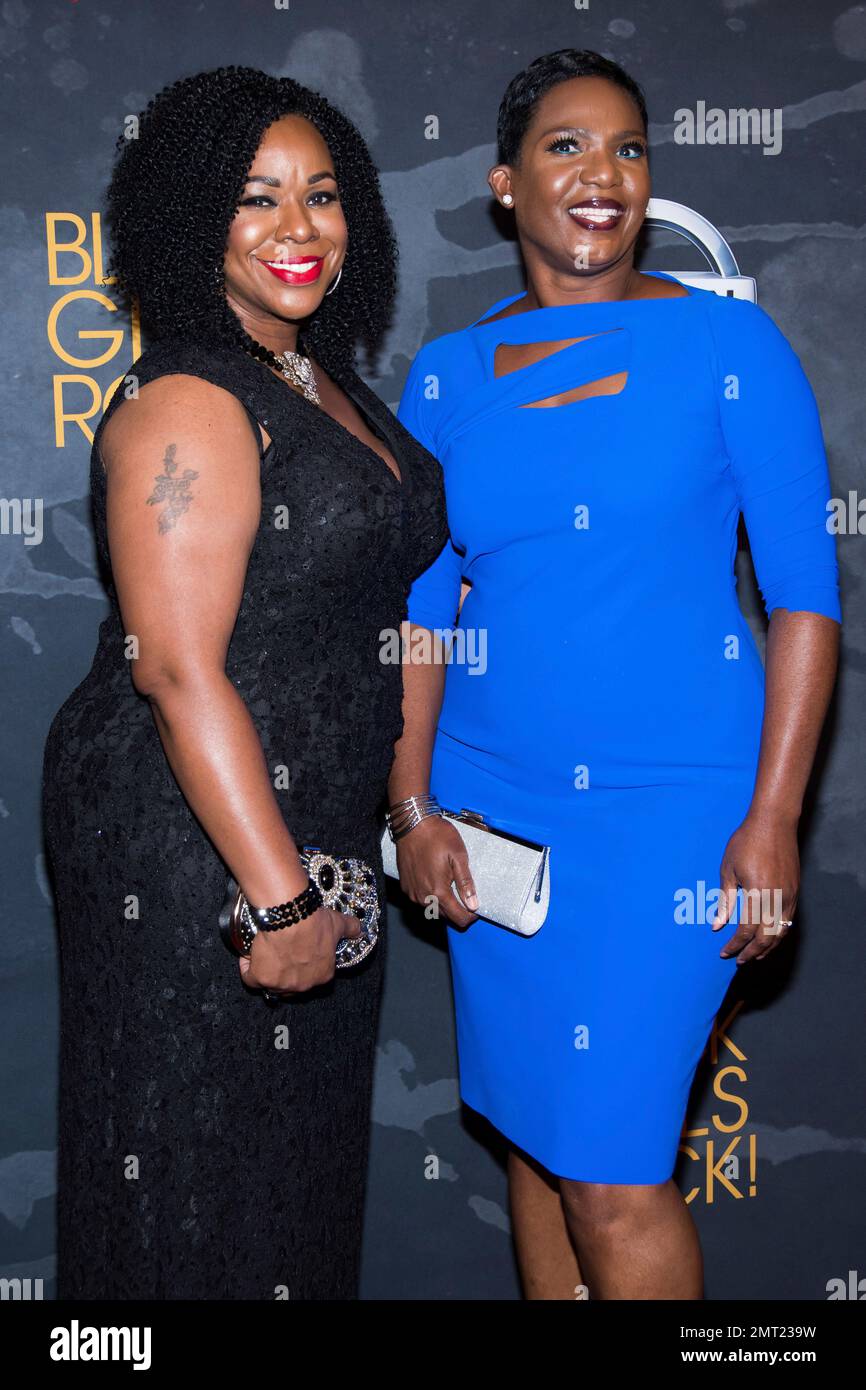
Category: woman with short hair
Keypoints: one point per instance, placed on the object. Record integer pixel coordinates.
(601, 434)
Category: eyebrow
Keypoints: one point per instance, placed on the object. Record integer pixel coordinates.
(580, 130)
(275, 183)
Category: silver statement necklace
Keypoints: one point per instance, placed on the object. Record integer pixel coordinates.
(298, 370)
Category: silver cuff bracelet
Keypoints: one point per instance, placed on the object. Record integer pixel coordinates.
(403, 816)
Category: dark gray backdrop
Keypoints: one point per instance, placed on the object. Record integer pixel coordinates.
(784, 1084)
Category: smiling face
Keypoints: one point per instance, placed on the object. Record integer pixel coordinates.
(581, 185)
(288, 238)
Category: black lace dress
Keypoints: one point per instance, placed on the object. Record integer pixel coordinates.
(213, 1146)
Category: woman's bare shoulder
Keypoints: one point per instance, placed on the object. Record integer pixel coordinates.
(175, 403)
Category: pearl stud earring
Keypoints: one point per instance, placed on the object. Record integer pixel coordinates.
(507, 199)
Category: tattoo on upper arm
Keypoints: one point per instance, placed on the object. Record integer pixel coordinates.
(173, 490)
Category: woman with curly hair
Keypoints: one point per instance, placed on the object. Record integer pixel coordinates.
(260, 516)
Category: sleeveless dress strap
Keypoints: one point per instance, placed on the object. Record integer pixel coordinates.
(256, 429)
(247, 380)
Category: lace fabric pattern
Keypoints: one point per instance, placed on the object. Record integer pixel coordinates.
(212, 1146)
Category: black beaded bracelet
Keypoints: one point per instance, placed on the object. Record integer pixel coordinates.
(285, 914)
(250, 920)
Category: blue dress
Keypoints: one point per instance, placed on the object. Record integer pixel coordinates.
(609, 697)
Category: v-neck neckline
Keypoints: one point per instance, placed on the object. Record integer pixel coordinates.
(390, 439)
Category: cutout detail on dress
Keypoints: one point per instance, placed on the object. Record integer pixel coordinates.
(610, 385)
(603, 386)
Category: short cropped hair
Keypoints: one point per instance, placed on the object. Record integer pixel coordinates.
(526, 89)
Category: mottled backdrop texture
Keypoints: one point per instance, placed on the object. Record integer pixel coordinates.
(774, 1154)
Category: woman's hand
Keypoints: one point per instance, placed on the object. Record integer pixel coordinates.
(298, 957)
(763, 859)
(429, 857)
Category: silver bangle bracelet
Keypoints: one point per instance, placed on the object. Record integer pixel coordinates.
(403, 816)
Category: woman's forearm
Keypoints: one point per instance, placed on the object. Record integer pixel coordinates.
(801, 660)
(423, 688)
(216, 756)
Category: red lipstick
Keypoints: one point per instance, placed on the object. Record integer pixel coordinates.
(295, 270)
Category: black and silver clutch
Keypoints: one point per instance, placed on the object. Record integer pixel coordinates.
(346, 885)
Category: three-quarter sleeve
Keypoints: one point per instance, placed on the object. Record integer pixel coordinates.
(435, 594)
(773, 438)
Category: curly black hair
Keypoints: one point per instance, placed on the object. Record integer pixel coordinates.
(175, 189)
(526, 89)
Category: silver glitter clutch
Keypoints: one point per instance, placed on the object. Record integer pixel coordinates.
(512, 875)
